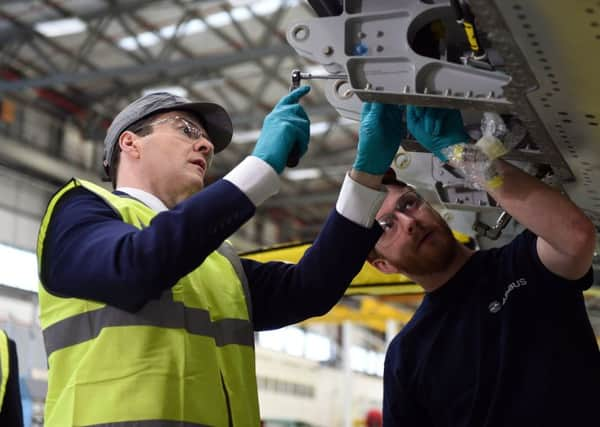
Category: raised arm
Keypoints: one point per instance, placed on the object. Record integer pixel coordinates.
(284, 293)
(566, 237)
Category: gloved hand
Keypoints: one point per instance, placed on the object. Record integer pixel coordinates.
(284, 127)
(436, 128)
(379, 137)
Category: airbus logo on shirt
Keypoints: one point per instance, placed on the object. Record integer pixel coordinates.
(496, 306)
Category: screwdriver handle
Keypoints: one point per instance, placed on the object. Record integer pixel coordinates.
(294, 156)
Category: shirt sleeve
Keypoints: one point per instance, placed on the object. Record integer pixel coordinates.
(359, 203)
(90, 253)
(255, 178)
(283, 294)
(526, 243)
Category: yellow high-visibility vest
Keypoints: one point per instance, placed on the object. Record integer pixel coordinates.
(4, 365)
(186, 359)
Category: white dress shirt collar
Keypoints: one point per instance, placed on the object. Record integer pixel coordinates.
(148, 199)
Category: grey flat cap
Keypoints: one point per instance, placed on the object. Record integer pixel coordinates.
(215, 120)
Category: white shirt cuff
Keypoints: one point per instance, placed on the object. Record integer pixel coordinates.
(255, 178)
(359, 203)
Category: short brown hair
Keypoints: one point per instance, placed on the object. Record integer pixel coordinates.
(390, 178)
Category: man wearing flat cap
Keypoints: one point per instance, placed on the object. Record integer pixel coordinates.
(148, 314)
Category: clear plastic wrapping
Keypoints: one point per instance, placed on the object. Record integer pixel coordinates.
(476, 161)
(476, 166)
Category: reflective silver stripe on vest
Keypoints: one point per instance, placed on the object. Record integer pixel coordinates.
(150, 423)
(228, 252)
(163, 313)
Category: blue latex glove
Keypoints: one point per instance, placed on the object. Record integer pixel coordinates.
(287, 125)
(379, 137)
(436, 128)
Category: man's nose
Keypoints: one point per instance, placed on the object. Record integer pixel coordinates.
(407, 223)
(204, 145)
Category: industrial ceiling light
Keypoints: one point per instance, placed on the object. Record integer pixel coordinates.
(219, 19)
(302, 174)
(175, 90)
(61, 27)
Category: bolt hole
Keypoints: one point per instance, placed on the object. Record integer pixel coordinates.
(300, 32)
(343, 90)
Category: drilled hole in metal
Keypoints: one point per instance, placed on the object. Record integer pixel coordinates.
(547, 105)
(300, 32)
(563, 113)
(554, 82)
(517, 7)
(566, 120)
(522, 16)
(550, 75)
(545, 99)
(531, 35)
(526, 26)
(558, 125)
(543, 60)
(539, 52)
(536, 44)
(556, 89)
(590, 116)
(589, 10)
(594, 24)
(549, 94)
(593, 124)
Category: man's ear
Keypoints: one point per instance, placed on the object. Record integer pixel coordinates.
(129, 144)
(384, 266)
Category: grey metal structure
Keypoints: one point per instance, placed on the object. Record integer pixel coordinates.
(540, 52)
